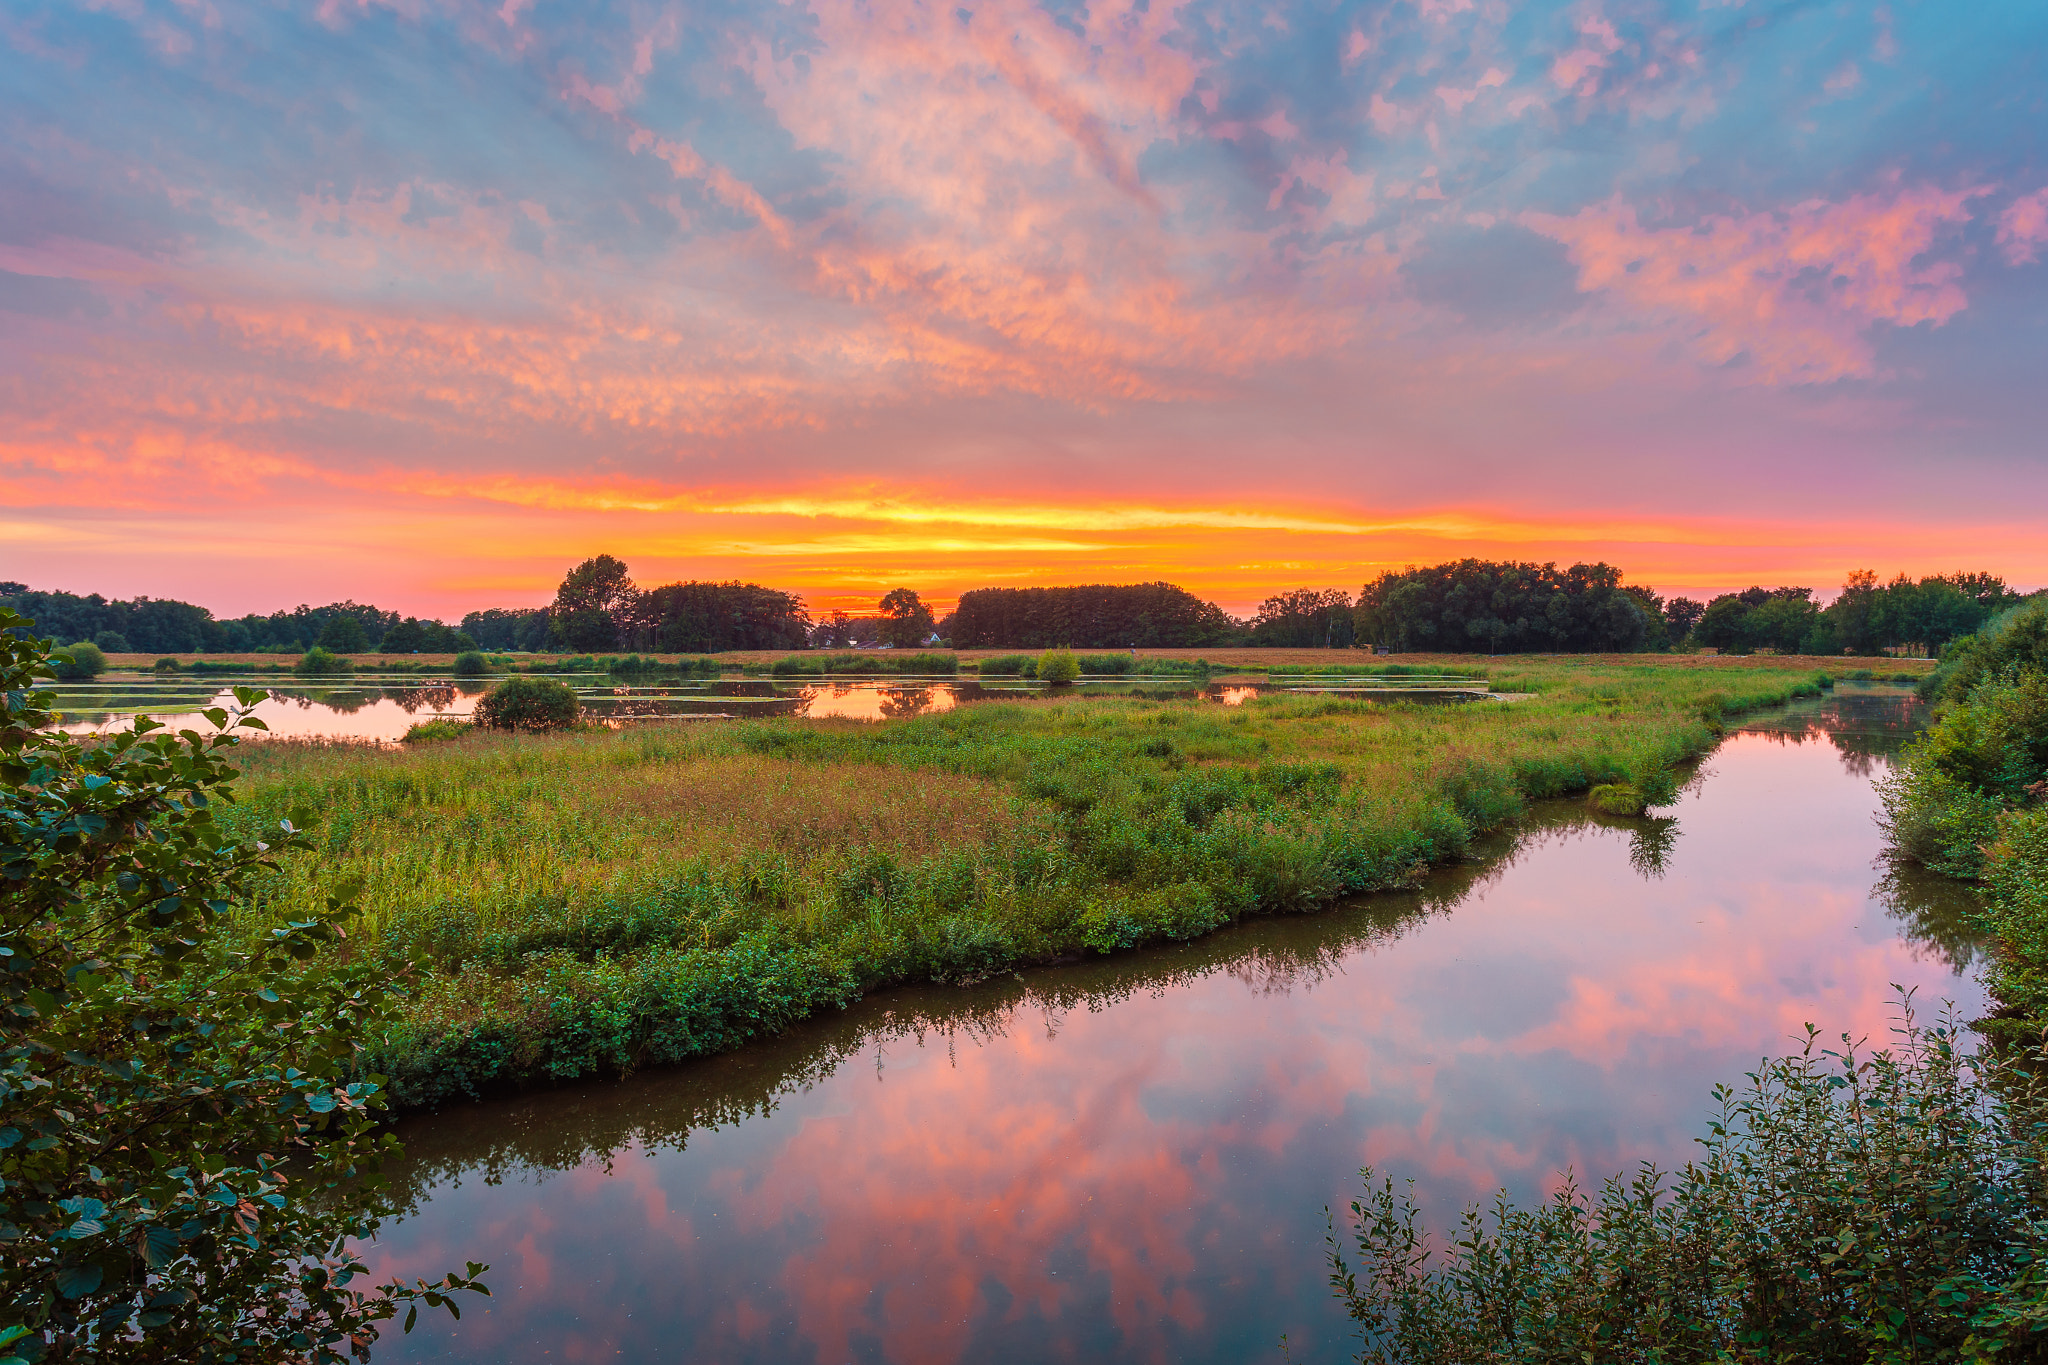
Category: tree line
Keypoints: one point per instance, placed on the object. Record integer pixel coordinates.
(1461, 606)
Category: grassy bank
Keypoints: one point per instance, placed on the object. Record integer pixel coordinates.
(597, 901)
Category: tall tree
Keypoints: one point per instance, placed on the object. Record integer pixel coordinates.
(906, 621)
(595, 605)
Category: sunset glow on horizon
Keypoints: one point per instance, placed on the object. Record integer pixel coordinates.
(420, 303)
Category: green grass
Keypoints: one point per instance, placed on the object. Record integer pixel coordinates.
(592, 902)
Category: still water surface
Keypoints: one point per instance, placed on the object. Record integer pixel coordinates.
(1128, 1159)
(358, 711)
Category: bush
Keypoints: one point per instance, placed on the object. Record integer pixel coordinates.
(152, 1064)
(470, 664)
(166, 665)
(1847, 1208)
(1058, 666)
(1100, 665)
(434, 731)
(86, 661)
(528, 703)
(317, 662)
(113, 642)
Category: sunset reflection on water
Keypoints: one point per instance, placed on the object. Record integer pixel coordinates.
(1129, 1159)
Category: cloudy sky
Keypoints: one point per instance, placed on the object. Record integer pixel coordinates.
(421, 302)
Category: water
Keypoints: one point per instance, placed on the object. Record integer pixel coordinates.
(365, 710)
(1129, 1159)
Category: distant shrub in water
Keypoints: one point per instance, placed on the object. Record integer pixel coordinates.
(434, 731)
(1101, 665)
(166, 665)
(1058, 666)
(86, 661)
(318, 662)
(1847, 1208)
(528, 703)
(470, 664)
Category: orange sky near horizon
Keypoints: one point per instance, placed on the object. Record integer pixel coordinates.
(437, 548)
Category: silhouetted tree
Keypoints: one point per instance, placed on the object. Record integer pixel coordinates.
(594, 606)
(906, 621)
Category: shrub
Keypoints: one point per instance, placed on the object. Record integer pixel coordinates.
(1058, 666)
(112, 641)
(434, 731)
(318, 662)
(1847, 1208)
(152, 1064)
(470, 664)
(85, 661)
(166, 665)
(1105, 664)
(528, 703)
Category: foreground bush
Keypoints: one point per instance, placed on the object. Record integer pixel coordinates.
(1848, 1208)
(187, 1142)
(470, 664)
(528, 703)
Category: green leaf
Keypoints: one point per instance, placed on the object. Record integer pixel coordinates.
(75, 1282)
(159, 1246)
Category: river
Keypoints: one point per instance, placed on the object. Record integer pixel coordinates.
(1129, 1159)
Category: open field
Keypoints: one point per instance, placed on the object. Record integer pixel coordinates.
(595, 901)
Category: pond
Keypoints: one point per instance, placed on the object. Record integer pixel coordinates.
(1128, 1159)
(366, 710)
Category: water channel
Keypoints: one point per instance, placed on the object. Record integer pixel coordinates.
(1129, 1159)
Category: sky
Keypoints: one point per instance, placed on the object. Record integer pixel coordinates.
(421, 303)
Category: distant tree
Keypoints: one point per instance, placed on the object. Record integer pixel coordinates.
(407, 637)
(706, 618)
(113, 642)
(1474, 605)
(1681, 614)
(834, 632)
(906, 621)
(1850, 612)
(1305, 618)
(1096, 616)
(508, 628)
(344, 635)
(594, 606)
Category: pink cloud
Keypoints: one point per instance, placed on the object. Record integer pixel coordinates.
(2024, 226)
(1795, 290)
